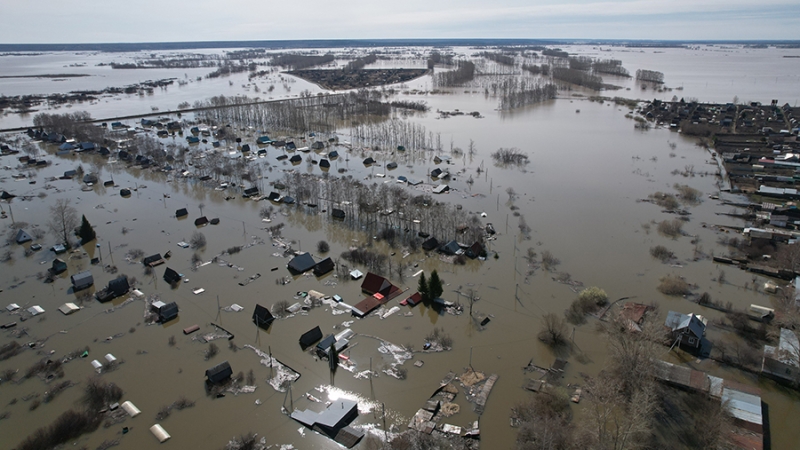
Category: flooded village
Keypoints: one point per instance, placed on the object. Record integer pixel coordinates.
(514, 246)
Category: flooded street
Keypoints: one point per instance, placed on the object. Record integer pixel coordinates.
(580, 194)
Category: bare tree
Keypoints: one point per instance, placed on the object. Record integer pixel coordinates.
(63, 218)
(555, 330)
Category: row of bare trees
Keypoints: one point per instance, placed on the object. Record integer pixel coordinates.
(380, 207)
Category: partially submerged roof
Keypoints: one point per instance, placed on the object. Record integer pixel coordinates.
(301, 263)
(23, 237)
(181, 213)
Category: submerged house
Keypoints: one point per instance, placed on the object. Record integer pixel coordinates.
(310, 337)
(333, 422)
(376, 284)
(337, 214)
(167, 312)
(687, 330)
(220, 373)
(116, 288)
(82, 280)
(171, 276)
(58, 266)
(250, 192)
(430, 244)
(262, 317)
(324, 347)
(153, 260)
(451, 248)
(323, 267)
(181, 213)
(783, 362)
(301, 264)
(476, 250)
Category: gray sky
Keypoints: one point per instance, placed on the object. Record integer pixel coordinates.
(89, 21)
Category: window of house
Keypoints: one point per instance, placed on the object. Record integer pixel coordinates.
(691, 341)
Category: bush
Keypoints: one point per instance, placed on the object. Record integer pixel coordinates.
(323, 246)
(666, 201)
(687, 193)
(549, 262)
(671, 228)
(211, 351)
(588, 301)
(661, 253)
(594, 295)
(198, 240)
(674, 285)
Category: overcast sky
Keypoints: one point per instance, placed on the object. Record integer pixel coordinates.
(94, 21)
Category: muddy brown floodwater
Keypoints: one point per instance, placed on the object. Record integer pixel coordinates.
(578, 194)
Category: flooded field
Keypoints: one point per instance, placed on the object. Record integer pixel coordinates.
(578, 197)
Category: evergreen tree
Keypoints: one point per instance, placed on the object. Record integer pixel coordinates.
(423, 288)
(435, 289)
(86, 232)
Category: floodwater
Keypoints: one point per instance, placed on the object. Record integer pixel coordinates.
(578, 194)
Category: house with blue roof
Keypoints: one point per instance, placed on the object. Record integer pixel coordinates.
(686, 329)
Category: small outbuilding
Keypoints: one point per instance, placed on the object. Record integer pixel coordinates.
(262, 317)
(82, 280)
(337, 214)
(68, 308)
(181, 213)
(250, 192)
(200, 221)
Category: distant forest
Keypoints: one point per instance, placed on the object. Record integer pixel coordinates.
(331, 43)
